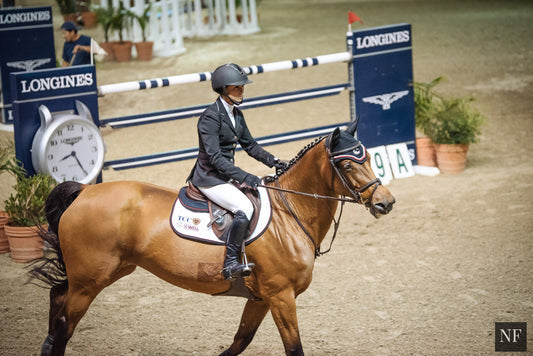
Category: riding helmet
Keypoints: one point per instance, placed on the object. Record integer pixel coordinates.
(228, 74)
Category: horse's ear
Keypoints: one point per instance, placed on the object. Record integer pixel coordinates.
(332, 138)
(352, 128)
(335, 135)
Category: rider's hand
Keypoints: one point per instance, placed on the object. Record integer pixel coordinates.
(252, 181)
(280, 164)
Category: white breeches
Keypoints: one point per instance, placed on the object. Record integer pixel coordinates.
(229, 197)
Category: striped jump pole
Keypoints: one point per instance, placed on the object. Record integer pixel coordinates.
(204, 76)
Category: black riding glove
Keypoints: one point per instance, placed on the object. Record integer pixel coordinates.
(252, 181)
(280, 164)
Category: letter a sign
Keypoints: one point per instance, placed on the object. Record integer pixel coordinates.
(400, 161)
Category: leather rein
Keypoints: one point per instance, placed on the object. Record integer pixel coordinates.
(356, 193)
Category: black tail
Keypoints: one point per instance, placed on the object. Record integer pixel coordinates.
(50, 269)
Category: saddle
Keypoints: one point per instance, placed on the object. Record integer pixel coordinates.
(197, 218)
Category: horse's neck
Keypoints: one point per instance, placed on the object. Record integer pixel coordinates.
(311, 174)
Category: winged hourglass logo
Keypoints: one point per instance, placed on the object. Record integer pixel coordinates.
(385, 100)
(28, 65)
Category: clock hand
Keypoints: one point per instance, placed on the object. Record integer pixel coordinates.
(64, 158)
(79, 163)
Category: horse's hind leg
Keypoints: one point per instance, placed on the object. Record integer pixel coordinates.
(57, 299)
(67, 307)
(252, 316)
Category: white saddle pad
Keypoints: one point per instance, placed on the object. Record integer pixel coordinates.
(192, 223)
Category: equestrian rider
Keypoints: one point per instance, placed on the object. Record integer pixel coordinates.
(220, 127)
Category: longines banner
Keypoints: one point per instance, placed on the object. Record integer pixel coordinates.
(383, 72)
(26, 44)
(58, 89)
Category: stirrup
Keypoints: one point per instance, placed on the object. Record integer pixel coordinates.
(238, 269)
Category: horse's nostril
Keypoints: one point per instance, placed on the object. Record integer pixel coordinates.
(383, 208)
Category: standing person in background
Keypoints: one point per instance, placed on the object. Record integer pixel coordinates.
(77, 48)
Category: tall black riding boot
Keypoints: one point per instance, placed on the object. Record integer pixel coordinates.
(237, 232)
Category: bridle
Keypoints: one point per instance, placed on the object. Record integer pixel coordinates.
(355, 192)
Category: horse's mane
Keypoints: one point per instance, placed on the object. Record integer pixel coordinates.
(295, 160)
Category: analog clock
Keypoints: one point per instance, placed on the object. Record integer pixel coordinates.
(68, 146)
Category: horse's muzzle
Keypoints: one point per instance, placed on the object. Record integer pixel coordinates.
(382, 207)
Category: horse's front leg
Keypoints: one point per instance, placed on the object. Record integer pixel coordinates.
(283, 309)
(252, 316)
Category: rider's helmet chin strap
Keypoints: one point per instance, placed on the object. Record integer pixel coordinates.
(232, 98)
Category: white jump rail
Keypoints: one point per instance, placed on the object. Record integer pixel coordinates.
(203, 76)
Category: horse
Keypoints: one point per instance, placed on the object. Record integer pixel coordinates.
(102, 232)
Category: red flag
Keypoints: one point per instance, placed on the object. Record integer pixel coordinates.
(353, 18)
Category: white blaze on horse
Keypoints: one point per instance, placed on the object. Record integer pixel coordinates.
(102, 232)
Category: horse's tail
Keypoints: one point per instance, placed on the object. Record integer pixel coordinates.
(50, 269)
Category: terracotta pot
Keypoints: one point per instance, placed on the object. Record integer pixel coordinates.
(451, 158)
(4, 243)
(144, 50)
(425, 152)
(70, 17)
(108, 47)
(122, 51)
(25, 243)
(89, 19)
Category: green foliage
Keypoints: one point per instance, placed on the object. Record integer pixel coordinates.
(425, 99)
(445, 120)
(8, 161)
(26, 206)
(66, 6)
(143, 19)
(120, 19)
(104, 16)
(455, 121)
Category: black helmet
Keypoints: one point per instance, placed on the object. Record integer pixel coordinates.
(228, 74)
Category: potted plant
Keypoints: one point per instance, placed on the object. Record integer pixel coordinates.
(104, 17)
(88, 16)
(67, 9)
(8, 164)
(144, 48)
(119, 21)
(25, 208)
(425, 101)
(454, 126)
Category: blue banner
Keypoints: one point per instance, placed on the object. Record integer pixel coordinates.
(26, 44)
(383, 73)
(57, 89)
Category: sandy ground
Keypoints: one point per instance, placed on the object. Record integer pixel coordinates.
(453, 257)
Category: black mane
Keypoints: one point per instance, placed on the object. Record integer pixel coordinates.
(293, 161)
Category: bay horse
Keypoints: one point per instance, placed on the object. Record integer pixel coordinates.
(102, 232)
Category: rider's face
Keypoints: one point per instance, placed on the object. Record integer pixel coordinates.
(235, 92)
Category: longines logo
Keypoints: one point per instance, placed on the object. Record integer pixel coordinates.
(54, 83)
(385, 100)
(24, 17)
(382, 39)
(28, 65)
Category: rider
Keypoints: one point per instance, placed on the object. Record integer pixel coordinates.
(220, 127)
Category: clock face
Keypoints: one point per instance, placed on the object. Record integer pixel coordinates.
(74, 150)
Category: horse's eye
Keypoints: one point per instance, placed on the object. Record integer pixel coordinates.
(347, 166)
